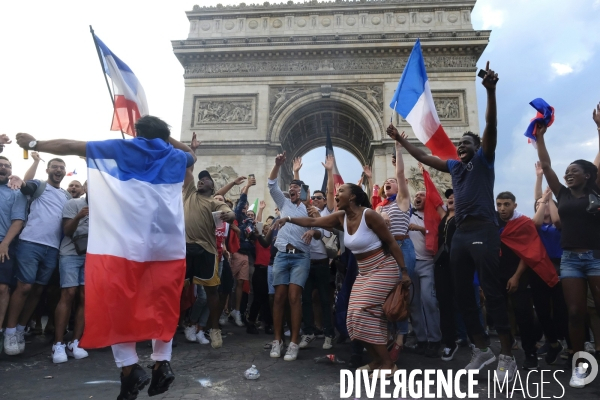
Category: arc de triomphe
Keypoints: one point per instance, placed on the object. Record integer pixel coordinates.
(264, 78)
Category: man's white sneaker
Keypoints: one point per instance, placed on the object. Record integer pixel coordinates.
(223, 319)
(276, 348)
(190, 333)
(11, 344)
(480, 358)
(237, 318)
(306, 339)
(201, 338)
(216, 340)
(328, 343)
(292, 352)
(577, 378)
(73, 350)
(21, 341)
(507, 368)
(58, 353)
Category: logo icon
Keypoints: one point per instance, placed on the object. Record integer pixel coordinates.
(589, 367)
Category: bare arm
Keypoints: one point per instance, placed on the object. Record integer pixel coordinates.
(417, 153)
(331, 221)
(403, 198)
(30, 174)
(261, 207)
(490, 133)
(238, 181)
(328, 165)
(296, 167)
(368, 177)
(543, 201)
(185, 148)
(377, 225)
(13, 231)
(544, 157)
(70, 224)
(60, 147)
(539, 173)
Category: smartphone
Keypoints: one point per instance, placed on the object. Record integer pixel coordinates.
(304, 193)
(482, 73)
(251, 178)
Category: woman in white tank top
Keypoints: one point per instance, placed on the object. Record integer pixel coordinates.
(365, 234)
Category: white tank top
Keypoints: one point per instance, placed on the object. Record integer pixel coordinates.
(363, 240)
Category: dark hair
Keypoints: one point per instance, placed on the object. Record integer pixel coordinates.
(589, 168)
(475, 137)
(56, 159)
(4, 158)
(270, 216)
(150, 127)
(506, 196)
(362, 199)
(319, 191)
(297, 182)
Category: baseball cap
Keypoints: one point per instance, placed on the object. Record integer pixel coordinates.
(205, 174)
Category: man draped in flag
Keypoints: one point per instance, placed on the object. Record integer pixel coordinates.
(129, 97)
(476, 243)
(135, 262)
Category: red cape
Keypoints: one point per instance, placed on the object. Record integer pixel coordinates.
(522, 238)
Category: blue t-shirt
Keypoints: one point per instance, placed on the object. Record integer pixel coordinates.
(473, 185)
(13, 204)
(551, 238)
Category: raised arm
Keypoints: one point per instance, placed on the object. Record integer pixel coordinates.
(60, 147)
(403, 197)
(596, 116)
(297, 165)
(377, 225)
(328, 165)
(543, 201)
(189, 172)
(417, 153)
(539, 173)
(238, 181)
(490, 133)
(261, 208)
(276, 193)
(30, 174)
(544, 157)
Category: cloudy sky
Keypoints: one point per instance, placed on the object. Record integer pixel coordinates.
(51, 84)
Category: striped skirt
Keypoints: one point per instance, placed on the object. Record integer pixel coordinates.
(377, 276)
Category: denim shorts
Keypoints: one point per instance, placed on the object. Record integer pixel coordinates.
(71, 270)
(270, 279)
(36, 262)
(7, 268)
(291, 268)
(579, 265)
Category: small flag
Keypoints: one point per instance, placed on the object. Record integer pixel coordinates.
(545, 115)
(72, 173)
(413, 100)
(130, 98)
(337, 178)
(254, 207)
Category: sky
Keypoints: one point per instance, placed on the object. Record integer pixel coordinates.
(51, 84)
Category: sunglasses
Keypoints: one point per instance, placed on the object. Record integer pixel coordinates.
(317, 198)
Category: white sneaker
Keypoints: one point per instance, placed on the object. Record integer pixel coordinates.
(223, 319)
(237, 318)
(58, 353)
(292, 352)
(11, 344)
(577, 378)
(306, 339)
(480, 359)
(276, 348)
(328, 343)
(216, 340)
(201, 338)
(287, 333)
(507, 367)
(73, 350)
(21, 341)
(190, 333)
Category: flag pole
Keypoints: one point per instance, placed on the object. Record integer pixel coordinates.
(112, 98)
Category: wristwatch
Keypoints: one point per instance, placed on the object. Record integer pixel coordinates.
(289, 219)
(32, 145)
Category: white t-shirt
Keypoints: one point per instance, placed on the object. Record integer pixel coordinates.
(418, 238)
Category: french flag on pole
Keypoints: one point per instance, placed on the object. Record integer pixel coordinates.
(130, 99)
(337, 178)
(414, 102)
(135, 262)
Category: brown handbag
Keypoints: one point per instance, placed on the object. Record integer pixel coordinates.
(395, 306)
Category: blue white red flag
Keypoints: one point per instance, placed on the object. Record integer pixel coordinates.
(414, 102)
(135, 262)
(72, 173)
(130, 98)
(545, 115)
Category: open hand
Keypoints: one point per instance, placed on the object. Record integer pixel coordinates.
(595, 116)
(490, 79)
(538, 169)
(547, 196)
(262, 205)
(195, 143)
(14, 182)
(297, 165)
(329, 162)
(368, 172)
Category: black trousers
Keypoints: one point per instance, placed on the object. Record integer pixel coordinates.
(476, 247)
(261, 296)
(522, 306)
(444, 290)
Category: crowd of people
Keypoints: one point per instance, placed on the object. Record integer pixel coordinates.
(322, 266)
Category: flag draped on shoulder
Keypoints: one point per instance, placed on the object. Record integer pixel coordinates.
(129, 96)
(414, 102)
(337, 178)
(135, 262)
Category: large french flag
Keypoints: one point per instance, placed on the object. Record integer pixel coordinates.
(414, 102)
(135, 263)
(130, 98)
(337, 178)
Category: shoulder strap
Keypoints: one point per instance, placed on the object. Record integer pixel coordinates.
(39, 191)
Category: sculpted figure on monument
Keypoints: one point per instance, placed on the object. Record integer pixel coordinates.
(281, 97)
(222, 176)
(211, 112)
(372, 94)
(447, 107)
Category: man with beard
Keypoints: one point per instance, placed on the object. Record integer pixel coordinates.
(37, 253)
(12, 214)
(76, 189)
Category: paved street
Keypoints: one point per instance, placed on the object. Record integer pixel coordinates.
(205, 373)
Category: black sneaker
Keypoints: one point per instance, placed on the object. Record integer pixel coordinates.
(161, 378)
(269, 329)
(542, 351)
(252, 329)
(420, 348)
(433, 350)
(132, 384)
(448, 353)
(531, 362)
(553, 353)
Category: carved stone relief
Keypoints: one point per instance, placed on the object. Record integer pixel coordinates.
(442, 180)
(374, 65)
(224, 112)
(222, 176)
(373, 94)
(279, 96)
(447, 107)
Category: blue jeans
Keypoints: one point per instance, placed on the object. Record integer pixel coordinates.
(408, 251)
(291, 268)
(36, 262)
(579, 265)
(71, 270)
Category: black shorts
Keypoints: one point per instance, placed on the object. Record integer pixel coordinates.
(201, 266)
(7, 269)
(226, 278)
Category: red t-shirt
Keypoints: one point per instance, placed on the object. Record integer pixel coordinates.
(263, 255)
